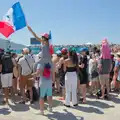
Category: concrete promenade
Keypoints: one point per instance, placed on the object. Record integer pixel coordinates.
(95, 109)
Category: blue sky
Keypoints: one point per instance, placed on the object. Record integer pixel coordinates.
(71, 21)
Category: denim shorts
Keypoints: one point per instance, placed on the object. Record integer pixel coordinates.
(45, 92)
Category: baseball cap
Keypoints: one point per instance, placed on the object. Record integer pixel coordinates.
(46, 35)
(83, 49)
(64, 51)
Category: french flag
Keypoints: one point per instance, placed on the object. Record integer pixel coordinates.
(14, 20)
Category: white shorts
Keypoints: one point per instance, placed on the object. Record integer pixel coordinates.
(6, 80)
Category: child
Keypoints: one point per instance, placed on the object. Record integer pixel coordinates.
(45, 70)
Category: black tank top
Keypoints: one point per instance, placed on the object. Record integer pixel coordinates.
(71, 69)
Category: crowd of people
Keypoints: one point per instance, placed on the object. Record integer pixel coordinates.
(65, 73)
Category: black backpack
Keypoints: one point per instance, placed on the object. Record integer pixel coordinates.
(7, 64)
(35, 94)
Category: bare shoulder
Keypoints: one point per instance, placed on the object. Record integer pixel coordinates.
(61, 59)
(67, 60)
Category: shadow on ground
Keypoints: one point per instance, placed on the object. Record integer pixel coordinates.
(56, 103)
(4, 111)
(19, 107)
(89, 109)
(64, 116)
(99, 104)
(115, 99)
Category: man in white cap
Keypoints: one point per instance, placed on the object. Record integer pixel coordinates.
(25, 70)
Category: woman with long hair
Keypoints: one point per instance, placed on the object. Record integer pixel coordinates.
(15, 73)
(70, 67)
(93, 74)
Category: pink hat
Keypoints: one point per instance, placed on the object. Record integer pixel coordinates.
(105, 49)
(105, 41)
(46, 35)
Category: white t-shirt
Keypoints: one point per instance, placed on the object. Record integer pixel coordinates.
(26, 69)
(37, 57)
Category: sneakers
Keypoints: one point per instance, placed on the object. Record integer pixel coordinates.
(49, 109)
(75, 105)
(67, 105)
(22, 102)
(40, 113)
(5, 102)
(31, 102)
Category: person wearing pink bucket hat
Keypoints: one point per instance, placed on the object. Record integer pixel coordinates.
(105, 66)
(45, 69)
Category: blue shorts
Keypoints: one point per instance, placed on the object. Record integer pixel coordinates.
(45, 92)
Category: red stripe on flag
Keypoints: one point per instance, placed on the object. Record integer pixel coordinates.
(51, 49)
(6, 29)
(1, 24)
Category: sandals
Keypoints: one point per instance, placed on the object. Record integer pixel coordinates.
(83, 101)
(4, 102)
(22, 102)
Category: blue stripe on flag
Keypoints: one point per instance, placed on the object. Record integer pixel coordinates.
(50, 35)
(18, 16)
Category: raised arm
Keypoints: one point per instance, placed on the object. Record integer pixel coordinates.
(58, 65)
(34, 34)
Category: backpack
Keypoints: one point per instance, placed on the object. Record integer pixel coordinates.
(35, 94)
(47, 71)
(7, 64)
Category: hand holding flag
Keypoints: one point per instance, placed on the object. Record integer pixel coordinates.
(14, 20)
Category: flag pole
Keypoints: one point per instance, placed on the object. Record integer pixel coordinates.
(8, 44)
